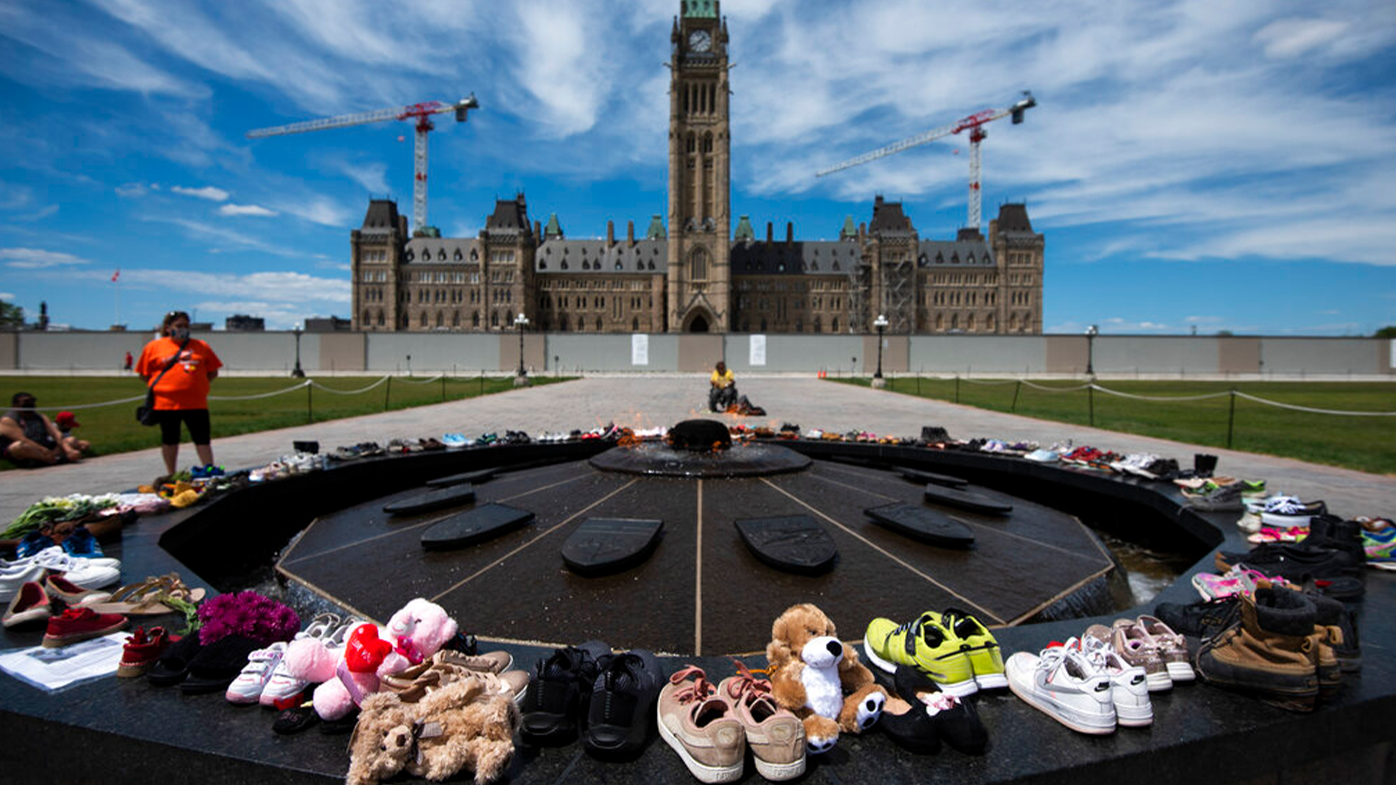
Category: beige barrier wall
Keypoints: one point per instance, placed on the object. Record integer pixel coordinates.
(535, 352)
(699, 352)
(339, 351)
(1066, 353)
(1238, 355)
(965, 355)
(9, 350)
(894, 354)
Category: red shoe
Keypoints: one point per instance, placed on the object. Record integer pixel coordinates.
(30, 604)
(79, 624)
(142, 650)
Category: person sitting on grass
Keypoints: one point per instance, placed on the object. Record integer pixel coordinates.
(29, 439)
(66, 422)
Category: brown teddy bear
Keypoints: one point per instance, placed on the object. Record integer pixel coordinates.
(461, 725)
(819, 679)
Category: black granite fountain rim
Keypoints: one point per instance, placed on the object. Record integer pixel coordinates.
(127, 726)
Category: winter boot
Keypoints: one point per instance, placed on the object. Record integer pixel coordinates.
(1269, 652)
(1329, 614)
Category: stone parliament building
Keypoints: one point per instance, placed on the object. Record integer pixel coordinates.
(696, 272)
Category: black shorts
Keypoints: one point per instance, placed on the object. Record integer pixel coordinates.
(196, 419)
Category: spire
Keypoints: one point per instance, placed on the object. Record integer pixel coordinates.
(744, 230)
(553, 231)
(849, 231)
(656, 230)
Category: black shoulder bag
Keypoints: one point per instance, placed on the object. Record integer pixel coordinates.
(145, 415)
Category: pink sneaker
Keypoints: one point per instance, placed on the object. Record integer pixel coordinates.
(702, 727)
(775, 736)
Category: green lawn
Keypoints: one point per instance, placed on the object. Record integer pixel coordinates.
(113, 429)
(1363, 443)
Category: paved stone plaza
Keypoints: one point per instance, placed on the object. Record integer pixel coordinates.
(646, 401)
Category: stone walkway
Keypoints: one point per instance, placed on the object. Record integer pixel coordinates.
(647, 401)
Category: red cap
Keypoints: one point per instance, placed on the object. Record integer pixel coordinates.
(67, 420)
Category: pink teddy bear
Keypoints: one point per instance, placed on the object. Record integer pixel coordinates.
(351, 673)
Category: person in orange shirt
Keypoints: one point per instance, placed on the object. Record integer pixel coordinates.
(181, 395)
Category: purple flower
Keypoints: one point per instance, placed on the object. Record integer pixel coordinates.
(249, 614)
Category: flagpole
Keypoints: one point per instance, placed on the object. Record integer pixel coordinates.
(117, 284)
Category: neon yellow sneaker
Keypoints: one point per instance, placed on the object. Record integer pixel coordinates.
(984, 655)
(926, 645)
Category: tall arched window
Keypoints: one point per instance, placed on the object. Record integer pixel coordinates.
(423, 320)
(440, 319)
(698, 265)
(380, 318)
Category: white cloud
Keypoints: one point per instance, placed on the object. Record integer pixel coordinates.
(1295, 36)
(43, 212)
(37, 258)
(7, 296)
(131, 190)
(245, 209)
(207, 192)
(372, 177)
(318, 209)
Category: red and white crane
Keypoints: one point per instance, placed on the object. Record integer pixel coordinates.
(974, 124)
(422, 112)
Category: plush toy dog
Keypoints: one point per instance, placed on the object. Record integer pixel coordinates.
(350, 674)
(819, 679)
(462, 725)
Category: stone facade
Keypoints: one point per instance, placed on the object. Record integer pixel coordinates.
(698, 274)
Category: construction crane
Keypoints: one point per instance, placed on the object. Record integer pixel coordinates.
(974, 124)
(422, 112)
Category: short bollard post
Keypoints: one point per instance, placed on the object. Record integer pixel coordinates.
(1090, 402)
(387, 392)
(1016, 390)
(1231, 418)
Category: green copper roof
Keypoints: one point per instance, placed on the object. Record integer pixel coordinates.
(744, 230)
(553, 230)
(849, 230)
(656, 230)
(699, 9)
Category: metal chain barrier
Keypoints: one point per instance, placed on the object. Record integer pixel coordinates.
(323, 388)
(1297, 408)
(258, 396)
(1164, 398)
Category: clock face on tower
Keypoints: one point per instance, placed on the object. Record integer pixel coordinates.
(700, 40)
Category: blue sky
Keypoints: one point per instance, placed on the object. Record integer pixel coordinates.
(1217, 165)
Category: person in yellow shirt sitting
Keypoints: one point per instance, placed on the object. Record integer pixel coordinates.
(724, 388)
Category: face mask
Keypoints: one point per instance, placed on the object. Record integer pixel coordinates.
(179, 333)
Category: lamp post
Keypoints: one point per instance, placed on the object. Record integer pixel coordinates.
(297, 372)
(881, 324)
(1091, 333)
(521, 377)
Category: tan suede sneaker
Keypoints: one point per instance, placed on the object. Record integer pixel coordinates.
(702, 727)
(775, 736)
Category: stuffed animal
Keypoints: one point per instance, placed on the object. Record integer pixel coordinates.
(819, 679)
(462, 725)
(350, 674)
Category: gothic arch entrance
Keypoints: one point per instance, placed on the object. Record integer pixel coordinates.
(698, 321)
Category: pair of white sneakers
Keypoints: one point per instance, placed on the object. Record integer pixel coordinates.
(266, 680)
(86, 572)
(1083, 684)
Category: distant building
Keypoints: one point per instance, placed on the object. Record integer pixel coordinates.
(242, 323)
(330, 324)
(697, 273)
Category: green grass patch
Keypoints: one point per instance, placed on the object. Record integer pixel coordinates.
(113, 429)
(1363, 443)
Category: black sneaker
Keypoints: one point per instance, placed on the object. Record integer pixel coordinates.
(555, 704)
(622, 702)
(1200, 619)
(1292, 561)
(1334, 533)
